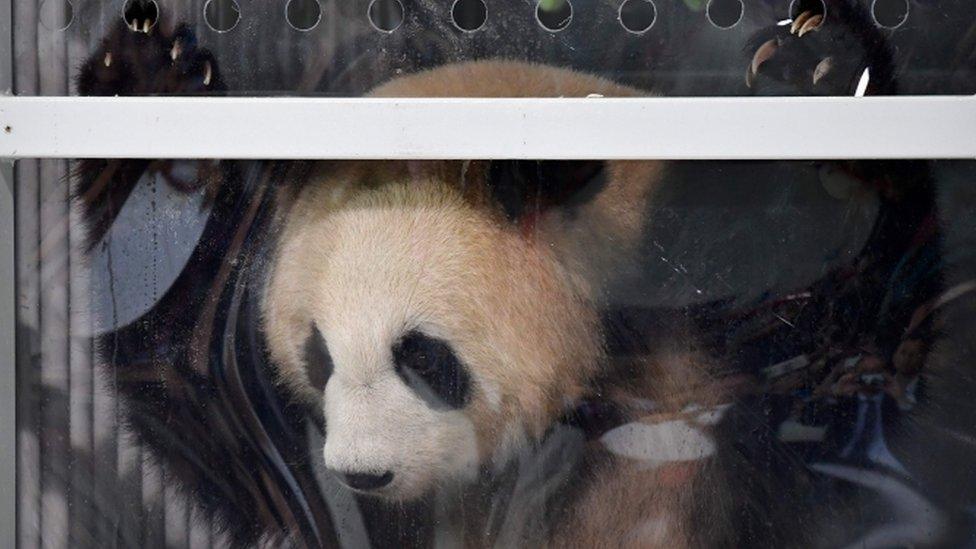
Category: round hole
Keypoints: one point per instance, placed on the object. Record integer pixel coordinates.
(140, 15)
(303, 15)
(816, 7)
(724, 14)
(55, 15)
(221, 15)
(637, 16)
(385, 15)
(554, 15)
(890, 14)
(469, 15)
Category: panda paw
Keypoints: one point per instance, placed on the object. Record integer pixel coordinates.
(140, 58)
(839, 51)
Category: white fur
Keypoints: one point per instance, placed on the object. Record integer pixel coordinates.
(383, 426)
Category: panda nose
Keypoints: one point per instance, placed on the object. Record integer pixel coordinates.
(367, 481)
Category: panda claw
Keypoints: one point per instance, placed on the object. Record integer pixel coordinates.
(108, 59)
(207, 73)
(822, 68)
(176, 50)
(763, 54)
(811, 25)
(799, 21)
(134, 25)
(146, 26)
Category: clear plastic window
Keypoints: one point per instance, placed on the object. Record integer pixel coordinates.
(675, 353)
(495, 352)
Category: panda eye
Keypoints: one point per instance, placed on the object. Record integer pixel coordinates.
(429, 367)
(318, 362)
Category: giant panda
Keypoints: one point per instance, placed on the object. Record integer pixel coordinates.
(450, 328)
(447, 318)
(444, 317)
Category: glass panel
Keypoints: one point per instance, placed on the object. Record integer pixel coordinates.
(495, 353)
(319, 47)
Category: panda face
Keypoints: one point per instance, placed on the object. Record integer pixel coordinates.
(434, 338)
(395, 414)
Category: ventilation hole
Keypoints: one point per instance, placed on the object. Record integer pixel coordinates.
(815, 7)
(140, 15)
(469, 15)
(56, 15)
(303, 15)
(221, 15)
(724, 14)
(385, 15)
(890, 14)
(637, 16)
(554, 15)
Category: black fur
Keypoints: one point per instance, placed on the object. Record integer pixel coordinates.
(847, 37)
(318, 361)
(525, 188)
(429, 366)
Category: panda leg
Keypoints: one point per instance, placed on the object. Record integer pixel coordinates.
(136, 58)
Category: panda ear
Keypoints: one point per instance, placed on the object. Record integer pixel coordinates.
(524, 189)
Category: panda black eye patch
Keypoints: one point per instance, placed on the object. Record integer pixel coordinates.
(431, 369)
(318, 362)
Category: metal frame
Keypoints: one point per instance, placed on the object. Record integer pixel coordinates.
(8, 396)
(8, 310)
(558, 128)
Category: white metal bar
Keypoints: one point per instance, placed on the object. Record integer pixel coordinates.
(558, 128)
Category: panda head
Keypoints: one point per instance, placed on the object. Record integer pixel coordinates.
(431, 331)
(441, 314)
